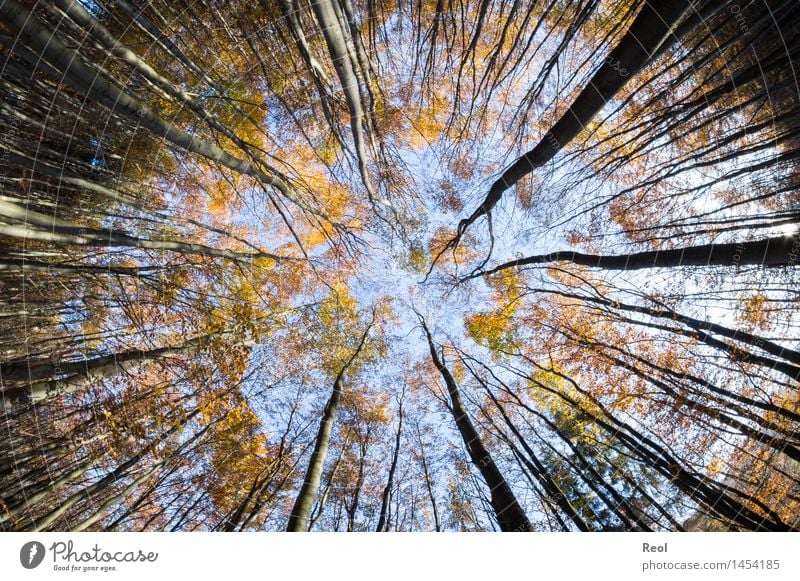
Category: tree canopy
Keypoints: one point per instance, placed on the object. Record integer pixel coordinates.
(380, 265)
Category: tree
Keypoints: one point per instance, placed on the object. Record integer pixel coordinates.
(299, 518)
(218, 225)
(508, 511)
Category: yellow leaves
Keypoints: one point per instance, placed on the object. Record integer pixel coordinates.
(239, 453)
(328, 150)
(366, 407)
(544, 387)
(427, 130)
(507, 284)
(334, 201)
(417, 260)
(207, 412)
(384, 311)
(766, 477)
(340, 202)
(170, 284)
(459, 371)
(232, 360)
(390, 117)
(145, 158)
(491, 329)
(753, 311)
(234, 419)
(541, 385)
(109, 419)
(242, 109)
(548, 379)
(326, 338)
(333, 198)
(247, 299)
(612, 14)
(218, 200)
(338, 306)
(494, 328)
(241, 418)
(340, 327)
(429, 123)
(264, 262)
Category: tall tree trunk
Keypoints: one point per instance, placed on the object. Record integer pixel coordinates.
(326, 492)
(48, 380)
(428, 479)
(109, 479)
(122, 495)
(331, 27)
(33, 35)
(352, 507)
(541, 472)
(301, 511)
(437, 525)
(508, 512)
(28, 224)
(775, 251)
(650, 31)
(30, 498)
(708, 493)
(387, 491)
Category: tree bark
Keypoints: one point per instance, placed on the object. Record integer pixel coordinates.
(100, 512)
(508, 512)
(775, 251)
(72, 70)
(76, 375)
(301, 511)
(32, 225)
(331, 27)
(650, 31)
(387, 491)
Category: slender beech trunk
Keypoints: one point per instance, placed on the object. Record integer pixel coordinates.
(352, 507)
(301, 511)
(15, 265)
(37, 43)
(143, 500)
(713, 496)
(48, 380)
(19, 222)
(507, 509)
(317, 514)
(29, 499)
(387, 491)
(428, 485)
(109, 479)
(648, 34)
(537, 467)
(775, 251)
(331, 27)
(100, 511)
(734, 352)
(756, 341)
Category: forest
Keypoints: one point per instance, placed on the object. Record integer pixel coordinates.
(399, 265)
